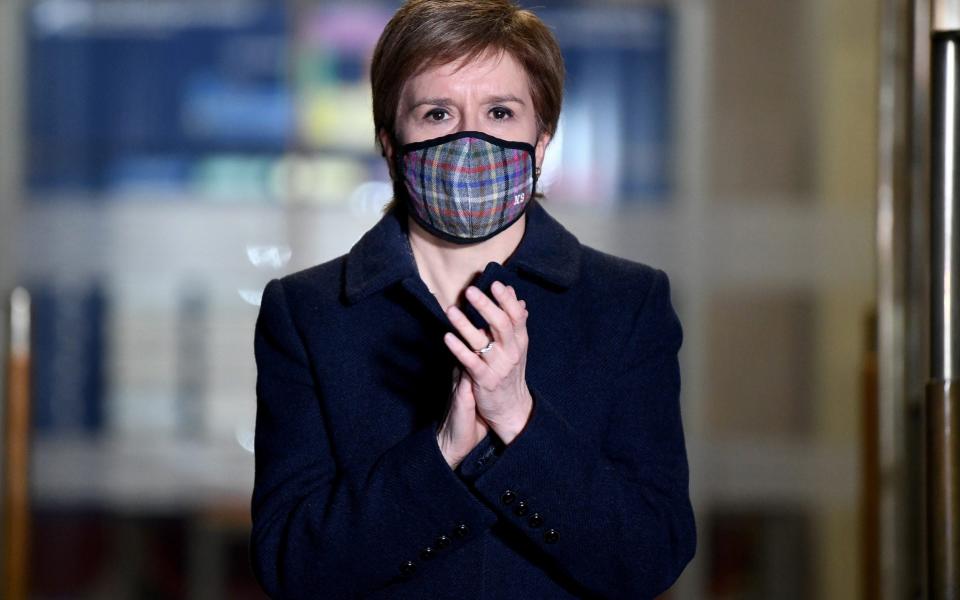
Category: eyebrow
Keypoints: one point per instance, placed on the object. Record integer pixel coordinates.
(448, 101)
(502, 99)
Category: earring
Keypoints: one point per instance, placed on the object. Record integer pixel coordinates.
(537, 172)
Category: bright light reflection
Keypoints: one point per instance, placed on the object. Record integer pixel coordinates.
(550, 167)
(370, 197)
(251, 297)
(245, 437)
(272, 256)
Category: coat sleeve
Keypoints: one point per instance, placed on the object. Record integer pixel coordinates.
(614, 513)
(318, 534)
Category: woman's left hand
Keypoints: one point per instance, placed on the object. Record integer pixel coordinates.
(499, 375)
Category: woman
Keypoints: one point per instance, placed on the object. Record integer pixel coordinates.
(470, 403)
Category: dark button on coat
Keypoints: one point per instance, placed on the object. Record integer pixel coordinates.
(353, 380)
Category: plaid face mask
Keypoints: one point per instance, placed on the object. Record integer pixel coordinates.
(467, 186)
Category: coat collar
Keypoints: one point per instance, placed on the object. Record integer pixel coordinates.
(383, 256)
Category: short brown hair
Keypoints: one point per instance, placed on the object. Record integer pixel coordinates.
(426, 33)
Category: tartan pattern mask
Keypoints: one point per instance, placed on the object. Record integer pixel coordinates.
(467, 186)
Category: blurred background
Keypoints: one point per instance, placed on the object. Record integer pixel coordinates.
(161, 160)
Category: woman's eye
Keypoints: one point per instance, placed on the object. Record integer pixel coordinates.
(437, 114)
(500, 113)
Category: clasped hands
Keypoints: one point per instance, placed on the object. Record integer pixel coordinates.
(490, 390)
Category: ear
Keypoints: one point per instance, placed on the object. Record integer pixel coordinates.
(388, 149)
(541, 147)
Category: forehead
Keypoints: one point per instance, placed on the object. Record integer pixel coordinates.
(493, 73)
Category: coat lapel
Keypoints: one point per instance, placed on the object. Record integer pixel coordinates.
(548, 253)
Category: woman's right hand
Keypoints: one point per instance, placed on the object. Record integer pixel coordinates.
(463, 428)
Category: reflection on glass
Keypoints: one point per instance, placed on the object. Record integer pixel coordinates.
(272, 256)
(370, 197)
(251, 297)
(245, 437)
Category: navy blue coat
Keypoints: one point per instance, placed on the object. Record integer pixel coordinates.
(353, 498)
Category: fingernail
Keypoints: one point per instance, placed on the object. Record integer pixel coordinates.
(497, 287)
(472, 292)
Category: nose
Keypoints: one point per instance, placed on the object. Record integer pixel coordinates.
(470, 121)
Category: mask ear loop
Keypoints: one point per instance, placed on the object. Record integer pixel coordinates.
(533, 156)
(536, 173)
(400, 192)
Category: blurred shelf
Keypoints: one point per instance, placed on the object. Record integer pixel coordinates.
(741, 245)
(165, 475)
(785, 473)
(141, 475)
